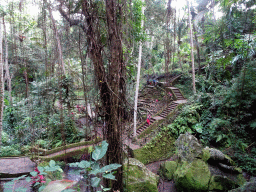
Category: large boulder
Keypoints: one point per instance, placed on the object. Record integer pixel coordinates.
(168, 168)
(202, 169)
(139, 177)
(194, 176)
(188, 147)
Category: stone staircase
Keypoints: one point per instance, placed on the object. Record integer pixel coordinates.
(144, 126)
(147, 101)
(177, 94)
(170, 107)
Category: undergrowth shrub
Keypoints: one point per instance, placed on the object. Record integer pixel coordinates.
(187, 121)
(222, 113)
(9, 151)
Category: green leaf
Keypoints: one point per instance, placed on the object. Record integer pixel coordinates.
(105, 189)
(41, 188)
(19, 178)
(95, 181)
(52, 163)
(219, 138)
(33, 173)
(253, 125)
(95, 171)
(198, 128)
(6, 102)
(41, 169)
(28, 179)
(84, 164)
(9, 184)
(110, 167)
(74, 164)
(50, 169)
(109, 176)
(99, 152)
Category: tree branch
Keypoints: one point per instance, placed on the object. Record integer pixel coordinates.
(71, 21)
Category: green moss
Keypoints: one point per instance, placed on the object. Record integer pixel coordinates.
(142, 187)
(241, 180)
(238, 170)
(193, 176)
(62, 156)
(168, 168)
(222, 183)
(160, 147)
(206, 155)
(230, 160)
(139, 179)
(44, 152)
(215, 185)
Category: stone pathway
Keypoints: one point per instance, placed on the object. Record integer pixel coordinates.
(16, 166)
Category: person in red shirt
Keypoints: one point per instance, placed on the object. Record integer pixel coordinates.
(148, 119)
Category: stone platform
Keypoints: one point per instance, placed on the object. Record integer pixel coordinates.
(15, 167)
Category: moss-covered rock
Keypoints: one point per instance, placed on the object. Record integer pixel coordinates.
(168, 168)
(188, 147)
(205, 169)
(140, 179)
(161, 147)
(205, 155)
(221, 183)
(193, 176)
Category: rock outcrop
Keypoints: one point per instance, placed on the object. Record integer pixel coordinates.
(201, 169)
(139, 177)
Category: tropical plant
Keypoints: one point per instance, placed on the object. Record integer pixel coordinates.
(92, 169)
(93, 172)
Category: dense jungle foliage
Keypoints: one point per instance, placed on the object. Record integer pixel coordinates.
(40, 102)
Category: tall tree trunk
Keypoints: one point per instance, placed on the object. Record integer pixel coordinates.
(111, 85)
(179, 43)
(112, 82)
(192, 49)
(168, 51)
(61, 74)
(1, 85)
(174, 38)
(116, 82)
(45, 39)
(61, 62)
(26, 78)
(84, 73)
(138, 79)
(7, 72)
(197, 49)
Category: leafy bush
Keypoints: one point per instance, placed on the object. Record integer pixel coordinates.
(222, 112)
(93, 167)
(187, 121)
(9, 151)
(5, 138)
(70, 130)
